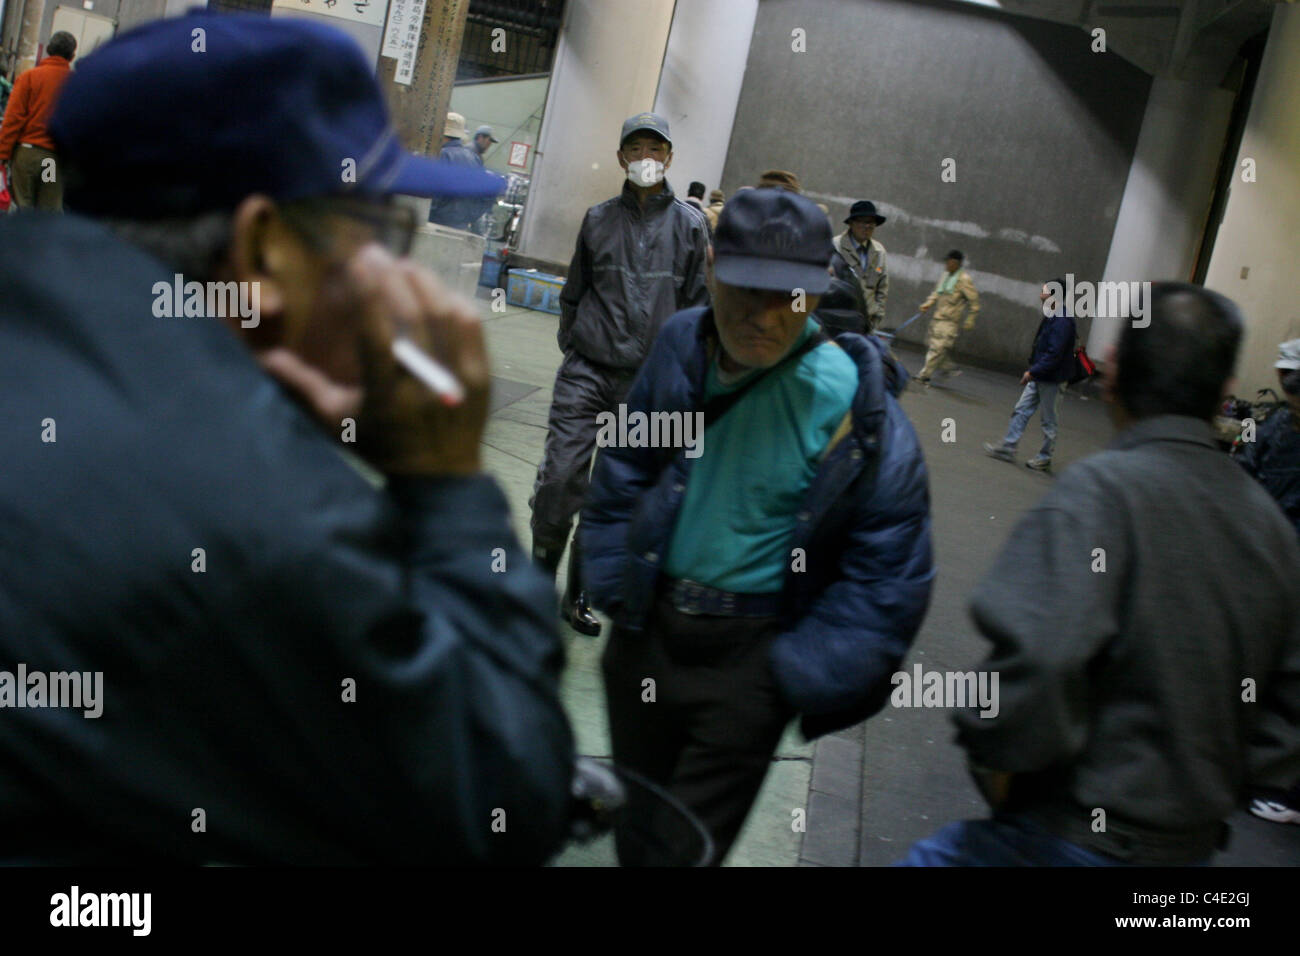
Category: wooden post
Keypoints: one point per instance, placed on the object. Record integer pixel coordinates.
(420, 109)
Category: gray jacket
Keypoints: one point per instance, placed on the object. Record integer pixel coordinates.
(1122, 689)
(631, 270)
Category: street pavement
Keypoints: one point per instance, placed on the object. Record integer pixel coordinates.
(865, 795)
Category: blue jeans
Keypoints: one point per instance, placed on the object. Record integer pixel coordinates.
(1005, 840)
(1044, 394)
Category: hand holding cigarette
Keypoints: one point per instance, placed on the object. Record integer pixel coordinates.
(419, 401)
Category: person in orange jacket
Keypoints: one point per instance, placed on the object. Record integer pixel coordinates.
(24, 142)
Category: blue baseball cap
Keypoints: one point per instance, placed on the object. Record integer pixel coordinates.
(770, 238)
(645, 123)
(194, 113)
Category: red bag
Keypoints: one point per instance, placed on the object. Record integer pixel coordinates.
(6, 200)
(1084, 367)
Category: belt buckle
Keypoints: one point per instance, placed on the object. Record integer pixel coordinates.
(688, 597)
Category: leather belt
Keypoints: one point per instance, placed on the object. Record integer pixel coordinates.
(691, 597)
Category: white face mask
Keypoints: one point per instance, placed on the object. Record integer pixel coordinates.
(645, 172)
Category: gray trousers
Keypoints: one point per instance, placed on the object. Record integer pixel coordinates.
(583, 389)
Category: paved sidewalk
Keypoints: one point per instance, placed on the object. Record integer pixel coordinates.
(869, 792)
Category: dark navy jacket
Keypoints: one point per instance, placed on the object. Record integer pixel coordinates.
(1273, 458)
(459, 212)
(1052, 359)
(850, 617)
(223, 688)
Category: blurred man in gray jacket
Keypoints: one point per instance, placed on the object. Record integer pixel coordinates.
(640, 258)
(1145, 622)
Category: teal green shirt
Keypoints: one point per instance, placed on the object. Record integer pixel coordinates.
(757, 463)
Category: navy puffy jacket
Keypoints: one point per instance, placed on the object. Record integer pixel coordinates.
(851, 615)
(1052, 359)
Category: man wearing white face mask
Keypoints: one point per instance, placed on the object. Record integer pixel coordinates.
(640, 257)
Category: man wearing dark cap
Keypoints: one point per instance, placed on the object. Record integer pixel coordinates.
(483, 140)
(954, 295)
(640, 257)
(781, 568)
(860, 256)
(299, 665)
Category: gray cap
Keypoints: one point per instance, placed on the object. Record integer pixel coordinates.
(648, 123)
(1288, 355)
(488, 130)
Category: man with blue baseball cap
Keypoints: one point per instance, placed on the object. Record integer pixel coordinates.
(325, 665)
(783, 566)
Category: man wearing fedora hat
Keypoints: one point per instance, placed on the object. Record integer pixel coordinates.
(860, 256)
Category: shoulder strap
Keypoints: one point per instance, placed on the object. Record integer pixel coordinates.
(719, 405)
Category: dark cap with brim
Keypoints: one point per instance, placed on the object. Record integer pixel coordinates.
(281, 106)
(776, 275)
(645, 123)
(773, 239)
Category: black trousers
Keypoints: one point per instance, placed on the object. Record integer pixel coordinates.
(707, 737)
(583, 389)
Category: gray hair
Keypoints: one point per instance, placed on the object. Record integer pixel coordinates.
(194, 246)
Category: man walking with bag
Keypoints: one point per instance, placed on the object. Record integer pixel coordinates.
(1051, 364)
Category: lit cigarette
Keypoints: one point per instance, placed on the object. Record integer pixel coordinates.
(428, 370)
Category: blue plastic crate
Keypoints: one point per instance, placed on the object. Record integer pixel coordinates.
(534, 290)
(490, 272)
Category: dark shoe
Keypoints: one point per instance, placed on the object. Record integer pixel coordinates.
(1000, 452)
(576, 613)
(1039, 464)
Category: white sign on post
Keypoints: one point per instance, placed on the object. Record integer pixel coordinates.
(402, 37)
(359, 11)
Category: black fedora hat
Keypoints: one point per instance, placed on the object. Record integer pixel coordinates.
(863, 209)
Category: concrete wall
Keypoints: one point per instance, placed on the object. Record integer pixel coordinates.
(704, 67)
(127, 13)
(1042, 130)
(1169, 190)
(1259, 227)
(606, 69)
(512, 107)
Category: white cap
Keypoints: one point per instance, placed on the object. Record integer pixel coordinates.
(1288, 355)
(455, 127)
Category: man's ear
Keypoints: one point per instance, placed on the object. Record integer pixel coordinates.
(668, 160)
(621, 160)
(259, 253)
